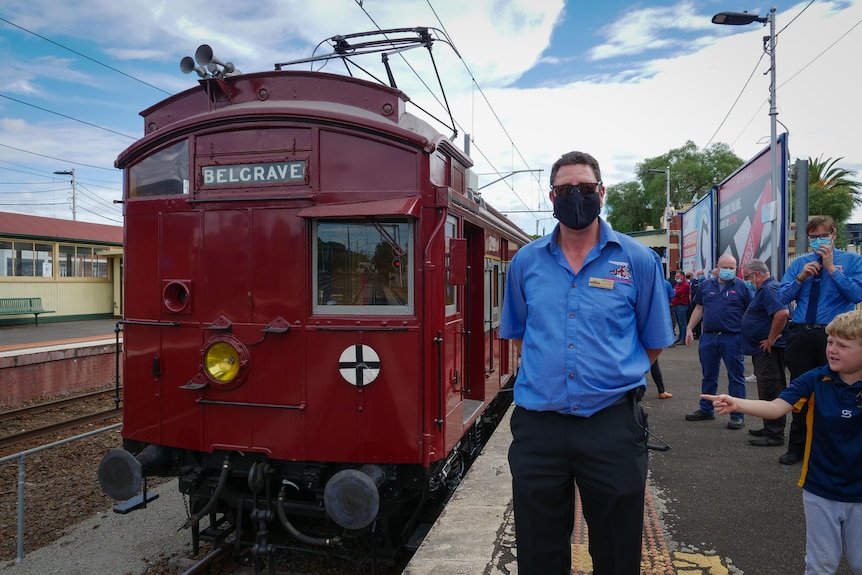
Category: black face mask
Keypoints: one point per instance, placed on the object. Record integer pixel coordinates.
(576, 211)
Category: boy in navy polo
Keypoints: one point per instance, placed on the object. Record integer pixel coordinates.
(831, 471)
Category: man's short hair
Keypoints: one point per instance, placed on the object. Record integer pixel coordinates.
(755, 265)
(573, 159)
(817, 221)
(846, 325)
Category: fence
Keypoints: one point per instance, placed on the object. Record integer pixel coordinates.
(21, 477)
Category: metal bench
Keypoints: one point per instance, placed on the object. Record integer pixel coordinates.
(22, 306)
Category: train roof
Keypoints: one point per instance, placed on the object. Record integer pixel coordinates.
(288, 93)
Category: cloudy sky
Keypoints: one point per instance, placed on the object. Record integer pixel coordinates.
(530, 80)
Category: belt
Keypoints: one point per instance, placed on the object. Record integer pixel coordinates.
(721, 332)
(631, 396)
(807, 326)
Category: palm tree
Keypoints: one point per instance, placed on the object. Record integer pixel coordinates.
(831, 190)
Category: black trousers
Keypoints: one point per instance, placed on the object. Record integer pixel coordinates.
(806, 350)
(771, 380)
(606, 456)
(657, 377)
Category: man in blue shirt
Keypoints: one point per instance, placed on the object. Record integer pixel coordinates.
(720, 302)
(835, 276)
(587, 308)
(763, 327)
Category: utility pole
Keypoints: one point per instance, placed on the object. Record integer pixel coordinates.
(74, 195)
(668, 214)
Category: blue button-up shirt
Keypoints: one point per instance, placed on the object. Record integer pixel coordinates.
(757, 320)
(839, 292)
(723, 304)
(584, 335)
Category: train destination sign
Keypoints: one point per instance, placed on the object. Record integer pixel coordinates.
(267, 173)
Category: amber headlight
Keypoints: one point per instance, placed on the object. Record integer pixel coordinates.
(225, 360)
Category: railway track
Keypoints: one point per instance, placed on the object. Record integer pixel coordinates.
(21, 437)
(42, 407)
(50, 417)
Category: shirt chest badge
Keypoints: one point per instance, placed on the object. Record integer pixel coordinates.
(602, 283)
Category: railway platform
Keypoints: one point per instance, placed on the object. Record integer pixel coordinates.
(56, 358)
(715, 505)
(49, 334)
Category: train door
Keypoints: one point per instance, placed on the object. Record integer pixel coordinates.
(475, 346)
(505, 363)
(454, 362)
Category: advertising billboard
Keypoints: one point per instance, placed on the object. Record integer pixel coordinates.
(698, 239)
(751, 215)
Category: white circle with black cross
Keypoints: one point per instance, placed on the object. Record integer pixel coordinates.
(359, 365)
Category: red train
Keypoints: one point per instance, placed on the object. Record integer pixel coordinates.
(311, 308)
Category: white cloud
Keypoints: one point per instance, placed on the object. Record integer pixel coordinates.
(661, 76)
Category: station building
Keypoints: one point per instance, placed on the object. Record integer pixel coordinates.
(74, 267)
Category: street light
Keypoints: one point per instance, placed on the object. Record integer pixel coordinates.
(668, 214)
(741, 19)
(74, 205)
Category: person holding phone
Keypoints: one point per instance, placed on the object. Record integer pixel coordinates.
(823, 283)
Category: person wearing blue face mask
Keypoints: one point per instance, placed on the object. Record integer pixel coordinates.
(823, 284)
(763, 329)
(587, 309)
(720, 302)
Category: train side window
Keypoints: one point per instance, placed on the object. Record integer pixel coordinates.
(363, 266)
(451, 289)
(164, 173)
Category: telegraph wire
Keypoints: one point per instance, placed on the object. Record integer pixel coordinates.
(67, 117)
(80, 207)
(765, 102)
(780, 85)
(735, 102)
(84, 56)
(57, 159)
(821, 53)
(794, 18)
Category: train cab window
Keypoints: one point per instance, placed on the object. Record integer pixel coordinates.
(165, 173)
(363, 266)
(451, 289)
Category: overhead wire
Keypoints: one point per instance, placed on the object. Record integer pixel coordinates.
(490, 107)
(475, 83)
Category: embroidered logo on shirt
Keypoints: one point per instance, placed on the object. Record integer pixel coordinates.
(621, 271)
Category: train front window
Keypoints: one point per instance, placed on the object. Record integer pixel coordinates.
(363, 266)
(165, 173)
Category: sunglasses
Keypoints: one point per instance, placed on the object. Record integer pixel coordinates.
(584, 188)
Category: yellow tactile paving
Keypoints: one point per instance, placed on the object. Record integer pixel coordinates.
(656, 558)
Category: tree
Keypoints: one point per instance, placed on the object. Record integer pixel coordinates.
(692, 173)
(629, 207)
(831, 191)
